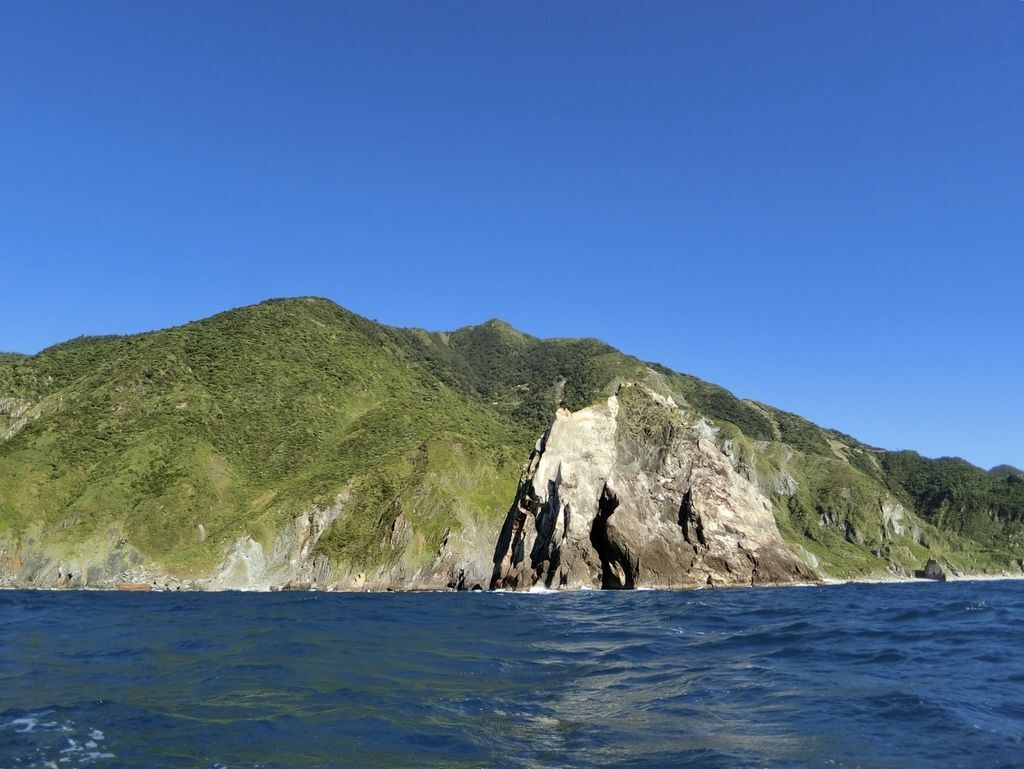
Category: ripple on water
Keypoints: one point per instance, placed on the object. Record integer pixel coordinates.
(852, 675)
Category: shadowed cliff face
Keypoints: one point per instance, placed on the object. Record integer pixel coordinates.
(625, 494)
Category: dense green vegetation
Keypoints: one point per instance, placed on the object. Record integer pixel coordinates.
(1005, 471)
(241, 421)
(234, 422)
(717, 403)
(956, 495)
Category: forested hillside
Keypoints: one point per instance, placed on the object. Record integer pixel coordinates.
(175, 443)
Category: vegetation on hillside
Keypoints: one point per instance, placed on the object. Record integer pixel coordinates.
(243, 420)
(956, 495)
(1005, 471)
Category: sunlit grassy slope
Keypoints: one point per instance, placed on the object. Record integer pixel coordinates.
(241, 421)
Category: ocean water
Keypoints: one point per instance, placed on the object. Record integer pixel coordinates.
(904, 675)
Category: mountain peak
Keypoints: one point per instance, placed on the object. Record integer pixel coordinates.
(1005, 471)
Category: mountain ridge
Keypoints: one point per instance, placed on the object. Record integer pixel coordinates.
(180, 450)
(494, 322)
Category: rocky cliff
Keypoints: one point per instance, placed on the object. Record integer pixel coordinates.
(631, 493)
(293, 443)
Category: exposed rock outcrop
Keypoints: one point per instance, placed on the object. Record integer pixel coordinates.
(15, 414)
(462, 561)
(932, 570)
(291, 560)
(634, 493)
(100, 562)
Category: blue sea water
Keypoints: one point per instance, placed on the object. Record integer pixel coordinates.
(899, 675)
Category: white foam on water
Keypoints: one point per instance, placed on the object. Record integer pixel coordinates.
(57, 744)
(27, 725)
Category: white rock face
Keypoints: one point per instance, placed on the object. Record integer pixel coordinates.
(247, 566)
(15, 413)
(892, 518)
(630, 493)
(784, 484)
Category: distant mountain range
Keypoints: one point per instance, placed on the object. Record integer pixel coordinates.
(294, 443)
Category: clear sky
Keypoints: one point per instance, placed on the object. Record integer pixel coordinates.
(816, 204)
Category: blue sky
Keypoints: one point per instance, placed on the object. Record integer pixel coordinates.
(819, 205)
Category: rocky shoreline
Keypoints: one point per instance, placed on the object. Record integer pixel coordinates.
(191, 588)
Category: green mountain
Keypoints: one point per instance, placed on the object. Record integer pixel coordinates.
(1005, 471)
(294, 440)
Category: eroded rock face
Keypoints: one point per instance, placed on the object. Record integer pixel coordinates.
(633, 493)
(290, 561)
(30, 564)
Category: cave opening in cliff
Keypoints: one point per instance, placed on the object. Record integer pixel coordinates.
(690, 522)
(616, 571)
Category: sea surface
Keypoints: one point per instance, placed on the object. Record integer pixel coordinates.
(892, 675)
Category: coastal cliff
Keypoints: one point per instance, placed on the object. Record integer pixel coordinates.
(627, 494)
(293, 444)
